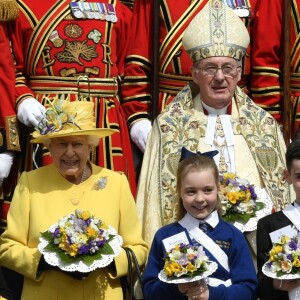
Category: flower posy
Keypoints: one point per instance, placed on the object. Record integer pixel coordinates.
(185, 260)
(79, 236)
(285, 256)
(238, 198)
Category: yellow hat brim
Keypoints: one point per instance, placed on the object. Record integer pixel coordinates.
(97, 132)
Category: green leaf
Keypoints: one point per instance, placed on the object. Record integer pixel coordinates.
(107, 249)
(259, 206)
(90, 259)
(232, 216)
(51, 247)
(47, 235)
(66, 258)
(237, 217)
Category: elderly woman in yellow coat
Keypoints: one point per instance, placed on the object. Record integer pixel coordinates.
(71, 182)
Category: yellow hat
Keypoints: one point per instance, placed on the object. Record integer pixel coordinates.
(65, 118)
(216, 31)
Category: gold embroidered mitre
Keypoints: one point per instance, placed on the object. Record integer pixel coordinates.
(8, 10)
(216, 31)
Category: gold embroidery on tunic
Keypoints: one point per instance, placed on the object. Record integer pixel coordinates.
(75, 50)
(12, 136)
(73, 31)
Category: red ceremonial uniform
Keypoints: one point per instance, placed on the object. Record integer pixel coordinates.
(128, 3)
(174, 64)
(295, 64)
(9, 140)
(268, 60)
(75, 56)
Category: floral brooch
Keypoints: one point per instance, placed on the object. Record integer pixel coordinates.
(100, 184)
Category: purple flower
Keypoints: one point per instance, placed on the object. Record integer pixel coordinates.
(87, 222)
(84, 249)
(56, 232)
(183, 260)
(101, 243)
(293, 244)
(243, 188)
(269, 264)
(231, 181)
(181, 246)
(252, 191)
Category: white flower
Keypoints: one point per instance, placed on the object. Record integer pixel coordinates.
(275, 267)
(175, 255)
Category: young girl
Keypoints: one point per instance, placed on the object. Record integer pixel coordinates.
(235, 278)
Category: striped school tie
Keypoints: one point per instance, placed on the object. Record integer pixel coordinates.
(204, 227)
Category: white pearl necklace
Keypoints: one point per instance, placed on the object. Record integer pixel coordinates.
(84, 175)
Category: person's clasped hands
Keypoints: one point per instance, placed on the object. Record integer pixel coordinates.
(30, 112)
(139, 133)
(196, 290)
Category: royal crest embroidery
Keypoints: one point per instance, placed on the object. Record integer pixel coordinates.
(76, 50)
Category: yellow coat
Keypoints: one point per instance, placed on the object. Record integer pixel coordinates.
(42, 197)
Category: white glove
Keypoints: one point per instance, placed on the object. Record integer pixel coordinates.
(6, 161)
(30, 112)
(139, 133)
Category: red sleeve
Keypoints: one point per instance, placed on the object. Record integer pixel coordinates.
(266, 56)
(136, 91)
(8, 122)
(295, 66)
(18, 49)
(125, 16)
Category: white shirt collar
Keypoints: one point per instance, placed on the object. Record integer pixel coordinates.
(214, 111)
(212, 219)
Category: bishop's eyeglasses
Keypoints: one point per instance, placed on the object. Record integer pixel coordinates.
(227, 70)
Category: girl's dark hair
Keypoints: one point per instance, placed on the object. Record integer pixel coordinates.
(195, 162)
